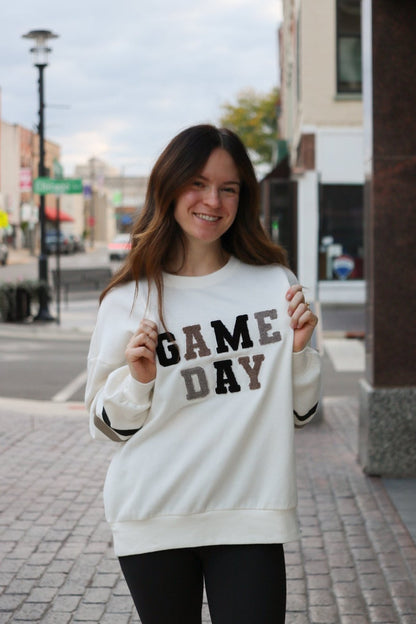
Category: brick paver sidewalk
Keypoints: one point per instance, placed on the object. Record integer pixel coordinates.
(355, 564)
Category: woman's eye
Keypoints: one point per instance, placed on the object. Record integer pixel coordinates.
(230, 190)
(198, 184)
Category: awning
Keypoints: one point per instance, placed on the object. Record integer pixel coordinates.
(51, 214)
(280, 172)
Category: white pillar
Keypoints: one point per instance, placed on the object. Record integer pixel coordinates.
(308, 231)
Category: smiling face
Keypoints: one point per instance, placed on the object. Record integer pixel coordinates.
(208, 204)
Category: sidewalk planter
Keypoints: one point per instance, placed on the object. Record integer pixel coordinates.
(16, 299)
(23, 301)
(7, 302)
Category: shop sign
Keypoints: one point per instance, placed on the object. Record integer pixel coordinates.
(343, 266)
(25, 180)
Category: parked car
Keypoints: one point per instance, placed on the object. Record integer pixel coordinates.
(65, 243)
(78, 243)
(4, 253)
(119, 247)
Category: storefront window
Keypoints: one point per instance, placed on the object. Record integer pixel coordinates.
(349, 78)
(341, 232)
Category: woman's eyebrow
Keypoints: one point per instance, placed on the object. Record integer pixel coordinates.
(225, 181)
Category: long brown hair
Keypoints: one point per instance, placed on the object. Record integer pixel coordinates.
(156, 232)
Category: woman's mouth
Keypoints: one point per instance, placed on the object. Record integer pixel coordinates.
(206, 217)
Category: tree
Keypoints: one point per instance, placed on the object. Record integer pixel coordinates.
(254, 119)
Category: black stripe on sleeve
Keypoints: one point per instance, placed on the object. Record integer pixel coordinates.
(308, 415)
(123, 432)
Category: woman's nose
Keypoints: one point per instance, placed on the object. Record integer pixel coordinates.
(212, 197)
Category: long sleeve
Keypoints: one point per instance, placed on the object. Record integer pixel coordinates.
(306, 384)
(117, 404)
(306, 368)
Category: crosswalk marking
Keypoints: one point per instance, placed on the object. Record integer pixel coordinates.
(70, 389)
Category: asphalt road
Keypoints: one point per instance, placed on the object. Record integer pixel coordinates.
(43, 369)
(38, 367)
(54, 368)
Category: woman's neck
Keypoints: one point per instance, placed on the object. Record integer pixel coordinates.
(201, 260)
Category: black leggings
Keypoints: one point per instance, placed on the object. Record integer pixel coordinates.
(244, 584)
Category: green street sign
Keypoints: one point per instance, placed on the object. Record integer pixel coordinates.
(50, 186)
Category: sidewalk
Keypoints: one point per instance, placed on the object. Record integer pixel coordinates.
(20, 256)
(355, 562)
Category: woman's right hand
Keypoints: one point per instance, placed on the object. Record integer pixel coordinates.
(141, 352)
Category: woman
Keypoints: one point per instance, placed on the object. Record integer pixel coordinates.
(200, 366)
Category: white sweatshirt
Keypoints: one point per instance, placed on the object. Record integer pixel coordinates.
(206, 450)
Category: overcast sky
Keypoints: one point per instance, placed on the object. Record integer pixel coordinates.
(125, 76)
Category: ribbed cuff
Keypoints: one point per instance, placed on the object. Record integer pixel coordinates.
(136, 391)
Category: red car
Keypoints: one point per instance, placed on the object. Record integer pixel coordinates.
(119, 247)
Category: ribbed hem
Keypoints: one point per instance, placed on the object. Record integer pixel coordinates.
(207, 529)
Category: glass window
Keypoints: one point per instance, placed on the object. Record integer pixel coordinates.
(341, 232)
(349, 46)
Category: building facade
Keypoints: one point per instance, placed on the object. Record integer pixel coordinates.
(321, 119)
(387, 423)
(9, 172)
(109, 204)
(19, 164)
(112, 200)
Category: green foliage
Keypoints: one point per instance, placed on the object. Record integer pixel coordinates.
(254, 118)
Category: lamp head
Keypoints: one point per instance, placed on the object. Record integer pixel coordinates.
(40, 49)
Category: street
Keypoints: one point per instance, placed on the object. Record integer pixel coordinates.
(24, 266)
(48, 365)
(42, 369)
(54, 368)
(51, 365)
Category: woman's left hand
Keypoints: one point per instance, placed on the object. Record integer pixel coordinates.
(303, 321)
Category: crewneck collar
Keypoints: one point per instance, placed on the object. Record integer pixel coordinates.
(200, 281)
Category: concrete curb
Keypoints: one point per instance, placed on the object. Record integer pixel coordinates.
(29, 331)
(30, 407)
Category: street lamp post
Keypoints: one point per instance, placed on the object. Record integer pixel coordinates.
(40, 53)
